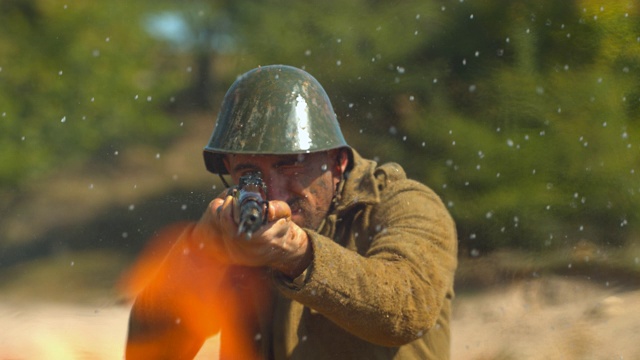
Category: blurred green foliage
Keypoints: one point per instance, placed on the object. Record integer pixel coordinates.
(522, 115)
(77, 79)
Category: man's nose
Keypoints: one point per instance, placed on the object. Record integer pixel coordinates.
(277, 187)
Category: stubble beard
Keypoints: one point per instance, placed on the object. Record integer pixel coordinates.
(309, 217)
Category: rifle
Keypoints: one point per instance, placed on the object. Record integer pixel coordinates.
(250, 194)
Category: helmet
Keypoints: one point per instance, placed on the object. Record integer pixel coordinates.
(275, 110)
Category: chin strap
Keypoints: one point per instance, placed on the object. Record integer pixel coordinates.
(226, 185)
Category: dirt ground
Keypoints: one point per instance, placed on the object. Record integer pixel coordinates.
(552, 318)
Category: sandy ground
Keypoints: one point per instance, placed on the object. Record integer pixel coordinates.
(548, 319)
(68, 332)
(551, 318)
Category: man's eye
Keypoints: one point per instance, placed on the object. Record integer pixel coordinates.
(247, 172)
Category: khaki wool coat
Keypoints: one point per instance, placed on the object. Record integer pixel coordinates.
(381, 282)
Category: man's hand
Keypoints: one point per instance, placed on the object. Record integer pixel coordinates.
(279, 244)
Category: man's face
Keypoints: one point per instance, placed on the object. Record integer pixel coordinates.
(307, 182)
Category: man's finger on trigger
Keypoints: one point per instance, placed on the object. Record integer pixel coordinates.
(230, 204)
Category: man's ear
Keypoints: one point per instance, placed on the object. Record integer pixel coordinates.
(342, 161)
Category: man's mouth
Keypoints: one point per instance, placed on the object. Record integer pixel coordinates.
(295, 205)
(297, 212)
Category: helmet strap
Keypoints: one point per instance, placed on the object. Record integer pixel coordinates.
(226, 184)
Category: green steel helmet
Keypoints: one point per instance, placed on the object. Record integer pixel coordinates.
(273, 110)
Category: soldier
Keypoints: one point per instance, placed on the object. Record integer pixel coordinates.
(351, 261)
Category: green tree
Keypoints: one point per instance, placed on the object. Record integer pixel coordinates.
(77, 79)
(535, 124)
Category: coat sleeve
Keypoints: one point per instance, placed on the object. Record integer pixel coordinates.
(394, 293)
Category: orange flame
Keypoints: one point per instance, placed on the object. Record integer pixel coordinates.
(184, 295)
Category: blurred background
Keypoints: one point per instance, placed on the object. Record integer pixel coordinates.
(524, 116)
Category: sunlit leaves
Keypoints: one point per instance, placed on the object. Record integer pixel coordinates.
(76, 79)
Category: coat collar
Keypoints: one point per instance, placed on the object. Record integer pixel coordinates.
(359, 185)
